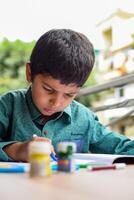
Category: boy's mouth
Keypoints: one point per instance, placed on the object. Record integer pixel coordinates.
(50, 111)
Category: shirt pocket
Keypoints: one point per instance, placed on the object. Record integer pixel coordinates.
(78, 139)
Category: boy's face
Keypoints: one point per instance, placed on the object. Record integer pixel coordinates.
(49, 95)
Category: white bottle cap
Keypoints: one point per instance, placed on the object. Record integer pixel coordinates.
(63, 147)
(39, 147)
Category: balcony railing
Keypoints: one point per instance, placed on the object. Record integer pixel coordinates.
(118, 82)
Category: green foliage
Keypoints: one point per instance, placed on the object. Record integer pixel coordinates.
(13, 57)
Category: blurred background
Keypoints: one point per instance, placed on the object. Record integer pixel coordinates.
(109, 25)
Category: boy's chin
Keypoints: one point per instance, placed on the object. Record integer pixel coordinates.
(48, 114)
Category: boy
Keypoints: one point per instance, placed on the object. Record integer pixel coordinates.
(60, 63)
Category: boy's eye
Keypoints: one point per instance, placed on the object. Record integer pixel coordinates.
(69, 95)
(47, 89)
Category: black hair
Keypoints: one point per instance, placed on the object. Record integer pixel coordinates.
(65, 55)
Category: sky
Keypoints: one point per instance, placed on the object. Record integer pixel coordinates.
(29, 19)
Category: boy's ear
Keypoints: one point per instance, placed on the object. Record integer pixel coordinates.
(28, 72)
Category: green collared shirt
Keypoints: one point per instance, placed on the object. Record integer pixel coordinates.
(20, 119)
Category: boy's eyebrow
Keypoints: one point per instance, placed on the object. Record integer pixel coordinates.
(47, 85)
(57, 91)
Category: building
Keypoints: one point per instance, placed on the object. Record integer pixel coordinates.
(117, 59)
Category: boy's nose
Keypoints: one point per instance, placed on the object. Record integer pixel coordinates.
(56, 101)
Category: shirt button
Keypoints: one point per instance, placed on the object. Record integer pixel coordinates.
(45, 132)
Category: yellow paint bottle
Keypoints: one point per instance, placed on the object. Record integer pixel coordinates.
(39, 158)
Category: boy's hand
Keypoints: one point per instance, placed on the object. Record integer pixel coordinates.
(19, 151)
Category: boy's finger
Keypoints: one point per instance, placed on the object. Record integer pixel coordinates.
(37, 138)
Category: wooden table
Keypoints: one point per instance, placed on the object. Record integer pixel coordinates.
(82, 185)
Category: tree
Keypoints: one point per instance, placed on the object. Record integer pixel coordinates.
(13, 58)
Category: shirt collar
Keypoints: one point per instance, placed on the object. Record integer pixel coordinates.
(68, 112)
(35, 113)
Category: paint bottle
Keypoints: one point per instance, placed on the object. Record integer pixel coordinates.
(65, 156)
(39, 158)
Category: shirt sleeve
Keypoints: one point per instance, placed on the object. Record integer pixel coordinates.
(5, 110)
(3, 155)
(103, 140)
